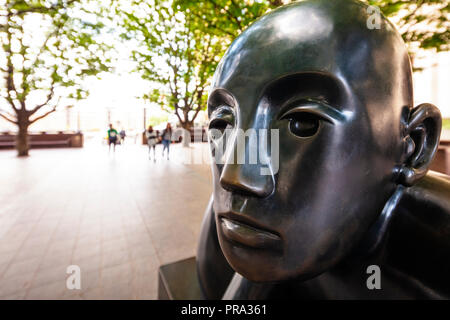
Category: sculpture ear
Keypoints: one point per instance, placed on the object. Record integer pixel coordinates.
(423, 129)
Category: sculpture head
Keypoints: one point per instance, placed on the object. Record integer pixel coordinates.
(340, 95)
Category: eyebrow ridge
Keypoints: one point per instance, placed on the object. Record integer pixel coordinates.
(318, 107)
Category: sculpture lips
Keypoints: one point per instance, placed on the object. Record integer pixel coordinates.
(249, 235)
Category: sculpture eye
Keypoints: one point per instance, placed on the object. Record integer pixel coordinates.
(217, 127)
(221, 119)
(218, 124)
(303, 124)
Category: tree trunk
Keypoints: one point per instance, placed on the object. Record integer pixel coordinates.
(22, 145)
(186, 134)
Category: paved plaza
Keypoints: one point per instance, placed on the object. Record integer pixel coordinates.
(118, 217)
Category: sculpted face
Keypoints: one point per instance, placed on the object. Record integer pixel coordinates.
(337, 92)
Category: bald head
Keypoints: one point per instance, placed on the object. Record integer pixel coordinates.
(340, 96)
(324, 36)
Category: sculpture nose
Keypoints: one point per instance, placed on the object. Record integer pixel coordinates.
(246, 179)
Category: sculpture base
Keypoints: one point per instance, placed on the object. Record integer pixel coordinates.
(179, 281)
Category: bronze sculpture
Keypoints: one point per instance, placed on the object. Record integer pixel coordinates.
(352, 188)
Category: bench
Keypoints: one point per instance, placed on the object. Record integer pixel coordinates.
(441, 161)
(46, 140)
(51, 143)
(7, 143)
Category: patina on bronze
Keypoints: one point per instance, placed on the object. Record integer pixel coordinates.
(352, 188)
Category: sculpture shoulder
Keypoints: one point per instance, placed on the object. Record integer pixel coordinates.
(428, 203)
(418, 244)
(432, 192)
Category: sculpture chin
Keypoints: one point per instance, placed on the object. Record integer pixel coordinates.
(260, 272)
(252, 262)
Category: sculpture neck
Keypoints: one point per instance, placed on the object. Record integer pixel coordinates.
(373, 240)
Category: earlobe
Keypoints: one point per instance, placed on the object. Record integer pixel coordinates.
(421, 140)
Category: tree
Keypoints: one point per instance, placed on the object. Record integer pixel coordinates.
(226, 18)
(48, 48)
(173, 54)
(423, 24)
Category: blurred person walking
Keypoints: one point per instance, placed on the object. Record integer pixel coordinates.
(152, 140)
(166, 137)
(112, 137)
(122, 136)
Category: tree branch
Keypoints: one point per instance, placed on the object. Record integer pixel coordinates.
(49, 97)
(55, 32)
(199, 108)
(7, 113)
(4, 116)
(212, 25)
(276, 3)
(177, 114)
(43, 116)
(9, 75)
